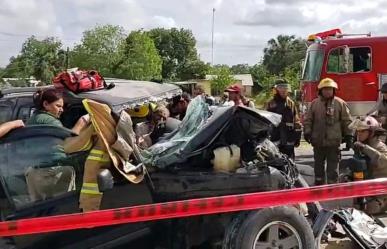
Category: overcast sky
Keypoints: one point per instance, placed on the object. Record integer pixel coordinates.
(242, 27)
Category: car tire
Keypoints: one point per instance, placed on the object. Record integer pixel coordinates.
(278, 227)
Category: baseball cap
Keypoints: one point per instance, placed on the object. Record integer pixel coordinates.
(233, 88)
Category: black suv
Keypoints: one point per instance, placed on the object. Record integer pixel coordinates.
(182, 172)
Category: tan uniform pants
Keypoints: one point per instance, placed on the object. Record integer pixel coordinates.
(98, 159)
(331, 156)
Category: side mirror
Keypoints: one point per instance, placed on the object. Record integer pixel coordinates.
(302, 67)
(105, 180)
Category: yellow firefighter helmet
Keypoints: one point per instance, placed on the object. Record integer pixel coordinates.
(140, 111)
(327, 82)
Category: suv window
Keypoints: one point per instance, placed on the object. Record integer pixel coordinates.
(25, 112)
(5, 113)
(35, 169)
(6, 110)
(359, 60)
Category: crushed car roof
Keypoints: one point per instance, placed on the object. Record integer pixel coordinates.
(125, 93)
(199, 128)
(130, 92)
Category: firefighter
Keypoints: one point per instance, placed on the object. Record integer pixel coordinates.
(8, 126)
(375, 153)
(149, 132)
(380, 109)
(325, 127)
(288, 133)
(235, 94)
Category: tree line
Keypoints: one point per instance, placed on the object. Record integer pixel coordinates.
(158, 54)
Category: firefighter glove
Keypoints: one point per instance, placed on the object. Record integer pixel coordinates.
(359, 145)
(349, 142)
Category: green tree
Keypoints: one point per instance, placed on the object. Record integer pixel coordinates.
(263, 77)
(240, 69)
(222, 79)
(177, 48)
(39, 58)
(140, 59)
(292, 76)
(100, 49)
(220, 66)
(194, 70)
(283, 51)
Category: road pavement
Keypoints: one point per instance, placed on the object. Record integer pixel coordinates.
(304, 156)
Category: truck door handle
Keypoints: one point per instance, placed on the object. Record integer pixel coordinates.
(370, 83)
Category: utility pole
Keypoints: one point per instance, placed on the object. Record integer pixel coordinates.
(212, 44)
(67, 58)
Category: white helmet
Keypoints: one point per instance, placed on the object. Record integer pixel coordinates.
(367, 123)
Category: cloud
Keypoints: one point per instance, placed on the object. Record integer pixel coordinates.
(162, 21)
(242, 28)
(278, 16)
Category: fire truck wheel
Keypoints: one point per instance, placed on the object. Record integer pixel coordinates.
(279, 227)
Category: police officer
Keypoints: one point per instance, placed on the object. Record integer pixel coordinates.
(288, 133)
(375, 153)
(325, 126)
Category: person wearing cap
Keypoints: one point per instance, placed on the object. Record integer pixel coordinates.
(374, 151)
(235, 94)
(325, 127)
(288, 132)
(380, 109)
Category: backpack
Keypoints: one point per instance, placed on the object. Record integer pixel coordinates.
(79, 81)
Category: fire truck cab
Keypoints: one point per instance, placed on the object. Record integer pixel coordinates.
(357, 64)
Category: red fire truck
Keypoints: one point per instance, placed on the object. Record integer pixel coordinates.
(358, 63)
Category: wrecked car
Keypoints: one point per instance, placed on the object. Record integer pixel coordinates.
(186, 163)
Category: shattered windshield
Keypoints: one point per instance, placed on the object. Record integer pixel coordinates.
(313, 65)
(195, 118)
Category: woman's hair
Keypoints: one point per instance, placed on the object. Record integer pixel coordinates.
(49, 95)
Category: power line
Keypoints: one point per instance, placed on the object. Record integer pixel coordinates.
(38, 36)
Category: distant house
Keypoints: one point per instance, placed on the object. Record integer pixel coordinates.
(244, 80)
(187, 86)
